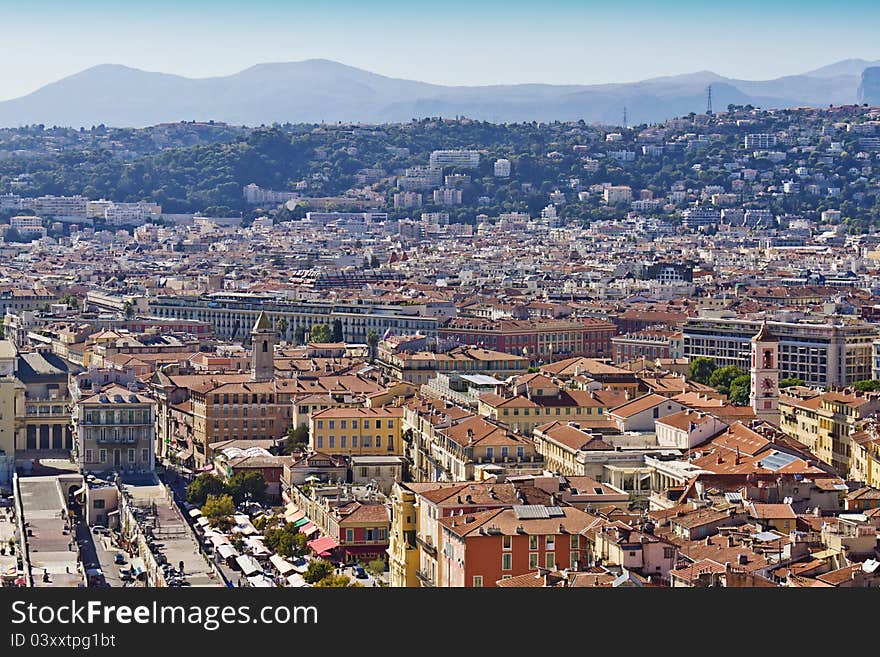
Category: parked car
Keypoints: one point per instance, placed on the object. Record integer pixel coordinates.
(119, 558)
(100, 529)
(360, 573)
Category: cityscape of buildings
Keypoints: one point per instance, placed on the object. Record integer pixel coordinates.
(425, 380)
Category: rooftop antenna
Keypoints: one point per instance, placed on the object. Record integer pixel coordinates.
(624, 116)
(709, 100)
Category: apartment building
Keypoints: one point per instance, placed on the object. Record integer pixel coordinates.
(460, 159)
(649, 344)
(232, 314)
(115, 430)
(479, 549)
(826, 423)
(821, 354)
(357, 431)
(543, 340)
(421, 366)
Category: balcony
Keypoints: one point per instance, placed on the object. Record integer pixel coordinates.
(430, 548)
(424, 578)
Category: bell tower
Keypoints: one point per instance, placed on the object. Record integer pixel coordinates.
(263, 349)
(764, 371)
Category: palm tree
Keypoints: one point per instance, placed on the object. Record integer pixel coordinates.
(281, 328)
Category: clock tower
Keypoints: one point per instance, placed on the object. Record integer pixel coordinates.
(764, 371)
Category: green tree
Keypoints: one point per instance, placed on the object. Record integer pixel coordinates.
(722, 377)
(321, 333)
(337, 331)
(790, 381)
(376, 567)
(739, 389)
(318, 569)
(249, 485)
(867, 385)
(297, 439)
(299, 334)
(219, 509)
(202, 486)
(701, 368)
(337, 582)
(286, 541)
(281, 327)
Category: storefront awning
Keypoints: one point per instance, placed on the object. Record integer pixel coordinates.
(302, 521)
(309, 529)
(323, 545)
(294, 517)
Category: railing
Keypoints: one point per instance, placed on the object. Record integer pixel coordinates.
(424, 578)
(428, 547)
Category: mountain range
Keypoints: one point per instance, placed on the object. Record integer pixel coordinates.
(318, 90)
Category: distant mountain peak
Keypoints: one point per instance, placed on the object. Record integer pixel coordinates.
(317, 89)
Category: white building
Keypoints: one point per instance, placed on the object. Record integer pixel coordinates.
(462, 159)
(447, 196)
(615, 194)
(502, 168)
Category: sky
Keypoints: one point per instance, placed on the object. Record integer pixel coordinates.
(460, 42)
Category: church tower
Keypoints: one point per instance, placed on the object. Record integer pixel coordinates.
(263, 346)
(764, 393)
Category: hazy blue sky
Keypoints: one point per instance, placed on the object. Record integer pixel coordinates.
(446, 42)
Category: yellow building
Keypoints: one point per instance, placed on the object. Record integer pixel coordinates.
(403, 552)
(523, 412)
(865, 462)
(357, 431)
(826, 422)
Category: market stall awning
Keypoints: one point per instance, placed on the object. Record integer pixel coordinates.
(323, 545)
(301, 522)
(296, 515)
(309, 529)
(281, 564)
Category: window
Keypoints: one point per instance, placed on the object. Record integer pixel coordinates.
(507, 542)
(533, 560)
(572, 559)
(478, 581)
(506, 561)
(490, 452)
(349, 535)
(102, 455)
(88, 456)
(575, 541)
(98, 504)
(320, 424)
(549, 541)
(131, 456)
(354, 441)
(332, 442)
(342, 441)
(320, 442)
(378, 441)
(533, 542)
(504, 452)
(550, 560)
(520, 452)
(145, 455)
(668, 552)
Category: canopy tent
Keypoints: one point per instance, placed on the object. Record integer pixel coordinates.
(322, 546)
(248, 565)
(226, 550)
(260, 581)
(195, 513)
(296, 580)
(282, 565)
